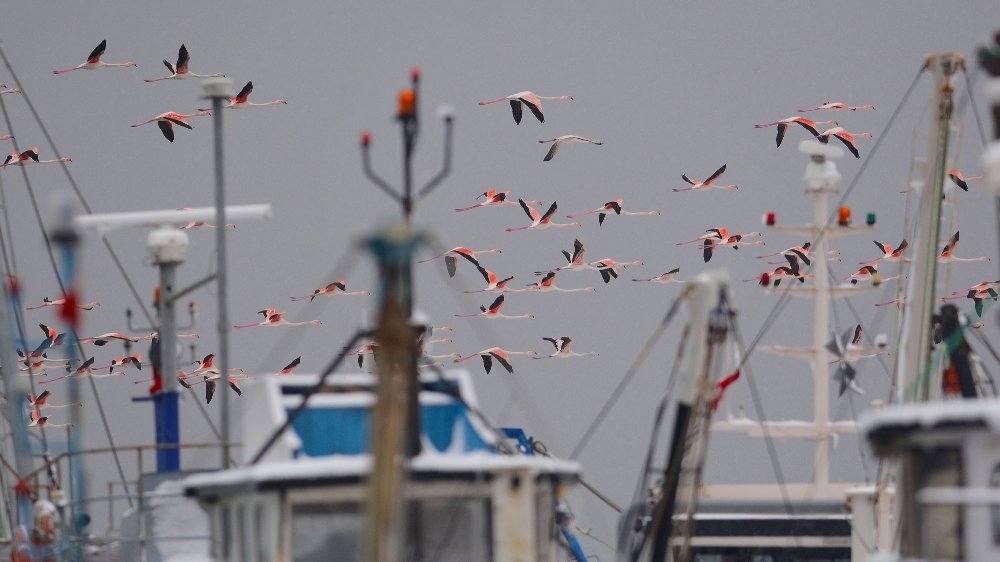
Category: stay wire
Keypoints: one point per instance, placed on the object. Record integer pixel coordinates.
(629, 375)
(76, 187)
(975, 110)
(62, 290)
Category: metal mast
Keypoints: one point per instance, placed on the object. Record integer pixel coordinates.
(915, 339)
(821, 178)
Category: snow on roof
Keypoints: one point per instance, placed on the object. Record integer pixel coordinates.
(346, 466)
(933, 414)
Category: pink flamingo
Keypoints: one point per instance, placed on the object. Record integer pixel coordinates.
(103, 339)
(38, 420)
(494, 198)
(783, 124)
(452, 255)
(337, 288)
(5, 90)
(547, 285)
(540, 222)
(665, 278)
(563, 350)
(835, 105)
(948, 253)
(501, 356)
(719, 232)
(241, 99)
(849, 139)
(528, 98)
(707, 184)
(59, 302)
(962, 181)
(94, 61)
(278, 319)
(493, 284)
(7, 137)
(556, 142)
(42, 399)
(30, 155)
(790, 271)
(734, 241)
(616, 207)
(493, 312)
(180, 70)
(166, 121)
(609, 267)
(889, 253)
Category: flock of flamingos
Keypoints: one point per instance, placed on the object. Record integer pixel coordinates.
(791, 262)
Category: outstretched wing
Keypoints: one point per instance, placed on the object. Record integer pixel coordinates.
(552, 151)
(182, 59)
(167, 129)
(532, 214)
(503, 362)
(548, 214)
(537, 111)
(96, 54)
(244, 93)
(487, 358)
(687, 179)
(781, 134)
(716, 175)
(497, 303)
(515, 107)
(451, 262)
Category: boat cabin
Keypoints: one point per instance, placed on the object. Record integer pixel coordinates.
(305, 500)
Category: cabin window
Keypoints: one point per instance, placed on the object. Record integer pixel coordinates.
(321, 529)
(450, 530)
(938, 528)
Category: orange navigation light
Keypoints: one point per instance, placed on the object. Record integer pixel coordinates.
(844, 216)
(156, 296)
(407, 103)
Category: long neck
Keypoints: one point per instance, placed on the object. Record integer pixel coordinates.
(275, 102)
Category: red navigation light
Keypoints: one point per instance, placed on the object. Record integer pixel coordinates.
(366, 138)
(770, 219)
(415, 74)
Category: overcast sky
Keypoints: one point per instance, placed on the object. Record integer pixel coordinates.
(670, 88)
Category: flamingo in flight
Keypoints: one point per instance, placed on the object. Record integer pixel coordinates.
(547, 285)
(5, 90)
(802, 253)
(849, 139)
(615, 207)
(540, 222)
(30, 155)
(707, 184)
(277, 319)
(42, 400)
(337, 288)
(609, 268)
(665, 278)
(735, 240)
(978, 297)
(528, 98)
(494, 198)
(81, 371)
(6, 137)
(948, 253)
(135, 360)
(103, 339)
(287, 370)
(501, 356)
(556, 142)
(783, 124)
(38, 420)
(719, 232)
(211, 383)
(493, 312)
(962, 181)
(166, 121)
(837, 105)
(869, 271)
(452, 255)
(198, 225)
(60, 302)
(790, 271)
(180, 70)
(94, 61)
(241, 99)
(563, 350)
(889, 253)
(493, 283)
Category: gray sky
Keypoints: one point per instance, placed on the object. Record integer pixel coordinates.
(670, 88)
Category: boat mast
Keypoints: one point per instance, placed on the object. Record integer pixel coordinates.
(395, 418)
(915, 340)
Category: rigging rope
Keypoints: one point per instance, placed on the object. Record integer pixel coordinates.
(629, 375)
